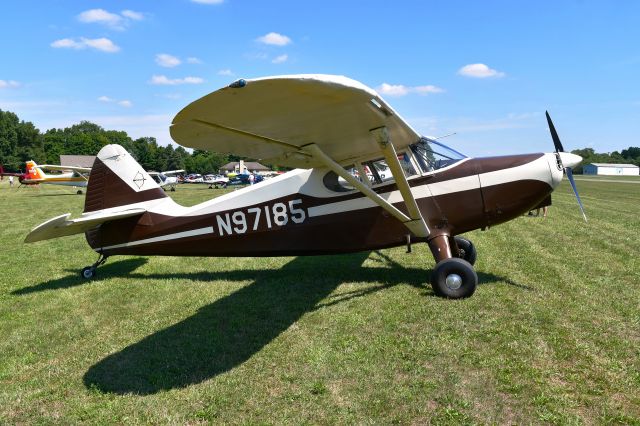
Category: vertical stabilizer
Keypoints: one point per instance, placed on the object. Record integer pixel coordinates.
(117, 179)
(33, 171)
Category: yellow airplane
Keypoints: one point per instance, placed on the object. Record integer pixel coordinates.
(74, 176)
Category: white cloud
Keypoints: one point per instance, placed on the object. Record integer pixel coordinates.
(102, 44)
(100, 16)
(135, 16)
(124, 103)
(167, 61)
(226, 72)
(162, 80)
(67, 43)
(8, 83)
(401, 90)
(193, 60)
(111, 20)
(280, 59)
(208, 1)
(425, 90)
(479, 71)
(274, 39)
(393, 89)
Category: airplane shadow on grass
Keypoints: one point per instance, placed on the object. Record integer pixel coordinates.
(226, 333)
(120, 268)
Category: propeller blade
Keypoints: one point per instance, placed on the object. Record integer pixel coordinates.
(554, 134)
(575, 191)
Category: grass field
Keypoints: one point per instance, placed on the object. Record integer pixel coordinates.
(552, 335)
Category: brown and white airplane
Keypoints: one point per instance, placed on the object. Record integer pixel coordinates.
(365, 180)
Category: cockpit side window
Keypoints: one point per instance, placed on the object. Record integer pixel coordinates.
(376, 172)
(335, 183)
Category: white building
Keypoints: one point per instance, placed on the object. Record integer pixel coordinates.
(611, 169)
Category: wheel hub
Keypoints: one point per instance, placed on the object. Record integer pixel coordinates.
(453, 281)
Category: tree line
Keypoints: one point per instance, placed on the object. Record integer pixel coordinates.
(630, 155)
(21, 141)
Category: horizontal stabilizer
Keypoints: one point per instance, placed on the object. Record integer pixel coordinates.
(62, 226)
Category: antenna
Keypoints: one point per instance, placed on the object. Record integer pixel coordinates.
(445, 136)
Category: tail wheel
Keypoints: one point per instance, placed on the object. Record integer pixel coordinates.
(88, 272)
(454, 278)
(467, 249)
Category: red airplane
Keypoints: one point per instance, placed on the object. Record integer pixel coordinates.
(14, 174)
(409, 189)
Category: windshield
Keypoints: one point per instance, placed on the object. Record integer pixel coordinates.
(432, 155)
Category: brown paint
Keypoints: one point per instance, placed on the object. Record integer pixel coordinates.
(358, 230)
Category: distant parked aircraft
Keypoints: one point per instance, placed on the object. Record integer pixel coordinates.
(168, 179)
(73, 176)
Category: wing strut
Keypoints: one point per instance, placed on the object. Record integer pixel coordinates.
(416, 226)
(382, 137)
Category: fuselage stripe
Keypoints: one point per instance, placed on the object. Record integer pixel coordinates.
(168, 237)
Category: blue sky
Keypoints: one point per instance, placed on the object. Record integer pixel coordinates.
(485, 70)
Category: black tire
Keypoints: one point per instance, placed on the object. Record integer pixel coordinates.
(173, 189)
(467, 249)
(79, 192)
(88, 273)
(454, 278)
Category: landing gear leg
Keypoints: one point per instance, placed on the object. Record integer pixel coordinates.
(452, 277)
(89, 272)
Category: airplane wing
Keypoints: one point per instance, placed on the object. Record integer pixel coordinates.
(272, 118)
(167, 173)
(61, 226)
(65, 168)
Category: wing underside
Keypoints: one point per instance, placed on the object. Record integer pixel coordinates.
(273, 118)
(74, 169)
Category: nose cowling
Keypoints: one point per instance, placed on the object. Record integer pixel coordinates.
(569, 159)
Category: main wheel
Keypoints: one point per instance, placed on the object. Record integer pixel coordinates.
(467, 249)
(454, 278)
(79, 192)
(88, 272)
(173, 189)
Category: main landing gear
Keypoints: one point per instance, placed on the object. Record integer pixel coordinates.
(453, 276)
(89, 272)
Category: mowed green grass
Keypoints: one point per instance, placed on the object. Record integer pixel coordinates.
(551, 335)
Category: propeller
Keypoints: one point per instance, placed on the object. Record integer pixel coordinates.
(566, 160)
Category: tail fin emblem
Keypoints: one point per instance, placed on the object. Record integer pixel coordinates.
(139, 180)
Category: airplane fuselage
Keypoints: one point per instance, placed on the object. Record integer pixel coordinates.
(297, 214)
(67, 179)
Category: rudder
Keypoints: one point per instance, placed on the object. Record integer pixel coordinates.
(116, 179)
(33, 171)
